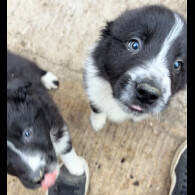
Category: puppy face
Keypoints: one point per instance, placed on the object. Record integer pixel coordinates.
(30, 153)
(142, 54)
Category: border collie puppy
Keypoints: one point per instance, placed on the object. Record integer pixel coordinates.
(36, 132)
(137, 65)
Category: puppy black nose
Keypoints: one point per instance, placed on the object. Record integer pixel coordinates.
(147, 93)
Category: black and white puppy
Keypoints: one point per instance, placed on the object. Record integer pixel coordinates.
(36, 132)
(137, 65)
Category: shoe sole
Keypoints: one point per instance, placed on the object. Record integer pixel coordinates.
(174, 163)
(86, 172)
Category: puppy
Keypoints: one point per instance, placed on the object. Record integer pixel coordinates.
(36, 132)
(137, 65)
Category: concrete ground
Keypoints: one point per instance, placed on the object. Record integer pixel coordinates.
(123, 159)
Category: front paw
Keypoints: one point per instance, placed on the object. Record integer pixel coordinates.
(73, 163)
(76, 168)
(97, 120)
(50, 81)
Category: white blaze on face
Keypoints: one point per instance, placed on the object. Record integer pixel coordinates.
(158, 67)
(33, 161)
(173, 34)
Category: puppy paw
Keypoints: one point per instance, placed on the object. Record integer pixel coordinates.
(50, 81)
(76, 168)
(97, 120)
(73, 163)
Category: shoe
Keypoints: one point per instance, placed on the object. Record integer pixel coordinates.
(67, 184)
(179, 171)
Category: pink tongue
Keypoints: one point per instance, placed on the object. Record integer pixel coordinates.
(49, 180)
(136, 107)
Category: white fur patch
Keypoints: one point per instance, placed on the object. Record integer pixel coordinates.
(99, 91)
(173, 34)
(73, 163)
(48, 80)
(34, 161)
(98, 120)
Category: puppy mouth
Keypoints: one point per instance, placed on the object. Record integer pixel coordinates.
(37, 180)
(31, 185)
(48, 178)
(135, 108)
(45, 181)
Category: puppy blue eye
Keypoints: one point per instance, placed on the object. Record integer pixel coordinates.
(178, 65)
(28, 132)
(133, 45)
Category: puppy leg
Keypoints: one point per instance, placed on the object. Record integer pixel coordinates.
(63, 147)
(49, 80)
(97, 118)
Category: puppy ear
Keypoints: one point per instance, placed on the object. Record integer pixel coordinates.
(16, 89)
(106, 31)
